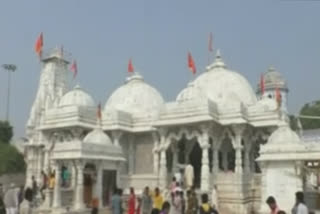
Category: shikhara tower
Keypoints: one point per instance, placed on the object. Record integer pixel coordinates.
(217, 124)
(53, 84)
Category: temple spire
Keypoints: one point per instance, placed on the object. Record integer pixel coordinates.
(217, 63)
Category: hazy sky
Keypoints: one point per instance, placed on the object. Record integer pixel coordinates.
(103, 34)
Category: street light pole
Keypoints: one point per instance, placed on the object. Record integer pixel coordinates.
(9, 68)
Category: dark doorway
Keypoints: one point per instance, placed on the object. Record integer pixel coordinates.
(109, 183)
(195, 160)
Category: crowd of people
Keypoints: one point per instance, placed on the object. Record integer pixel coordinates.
(153, 202)
(298, 208)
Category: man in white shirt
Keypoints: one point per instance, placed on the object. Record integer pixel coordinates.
(300, 207)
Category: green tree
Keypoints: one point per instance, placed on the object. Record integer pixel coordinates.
(11, 161)
(310, 109)
(6, 132)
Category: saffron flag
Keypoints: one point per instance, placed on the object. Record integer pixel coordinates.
(210, 43)
(278, 97)
(130, 66)
(74, 68)
(191, 64)
(262, 84)
(99, 115)
(38, 45)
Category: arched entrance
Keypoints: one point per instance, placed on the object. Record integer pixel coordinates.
(195, 158)
(88, 180)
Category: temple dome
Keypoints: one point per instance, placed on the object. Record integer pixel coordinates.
(225, 86)
(76, 97)
(97, 136)
(191, 93)
(273, 79)
(283, 135)
(136, 97)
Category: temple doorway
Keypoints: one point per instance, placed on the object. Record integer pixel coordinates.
(89, 173)
(195, 158)
(109, 184)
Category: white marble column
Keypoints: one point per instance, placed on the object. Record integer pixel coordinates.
(99, 183)
(175, 160)
(39, 164)
(73, 176)
(57, 187)
(238, 129)
(205, 171)
(247, 161)
(156, 158)
(46, 162)
(131, 157)
(163, 169)
(79, 204)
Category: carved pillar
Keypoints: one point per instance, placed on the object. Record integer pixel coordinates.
(156, 153)
(57, 191)
(99, 167)
(39, 164)
(163, 169)
(175, 159)
(238, 129)
(79, 187)
(73, 176)
(46, 161)
(205, 171)
(247, 161)
(131, 157)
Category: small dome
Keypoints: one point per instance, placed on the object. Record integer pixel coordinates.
(191, 93)
(136, 97)
(76, 97)
(219, 84)
(97, 136)
(273, 79)
(283, 135)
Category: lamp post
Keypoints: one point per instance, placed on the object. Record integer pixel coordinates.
(9, 68)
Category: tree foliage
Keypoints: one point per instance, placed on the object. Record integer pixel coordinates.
(6, 132)
(310, 109)
(11, 161)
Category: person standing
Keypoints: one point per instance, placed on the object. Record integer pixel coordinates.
(271, 201)
(205, 207)
(116, 202)
(44, 183)
(157, 199)
(26, 205)
(165, 208)
(52, 180)
(214, 197)
(300, 207)
(177, 205)
(11, 200)
(189, 176)
(132, 202)
(146, 201)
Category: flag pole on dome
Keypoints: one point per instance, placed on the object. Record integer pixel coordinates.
(210, 47)
(130, 66)
(99, 115)
(191, 65)
(262, 87)
(74, 69)
(39, 45)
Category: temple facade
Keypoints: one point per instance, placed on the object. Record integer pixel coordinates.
(217, 124)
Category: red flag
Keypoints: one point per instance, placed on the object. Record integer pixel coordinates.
(262, 84)
(74, 68)
(191, 64)
(130, 67)
(38, 45)
(99, 115)
(210, 43)
(278, 97)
